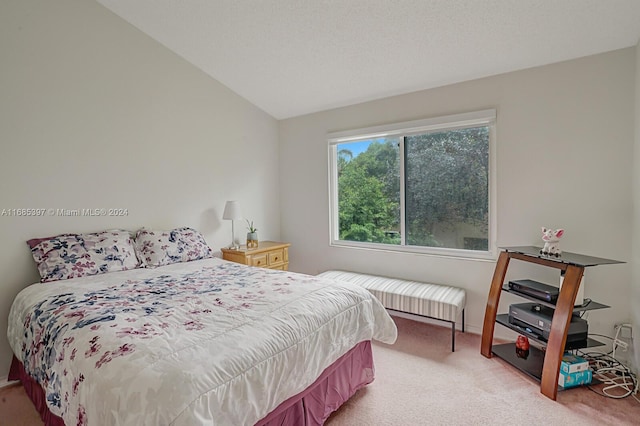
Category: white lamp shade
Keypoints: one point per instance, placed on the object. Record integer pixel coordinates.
(232, 211)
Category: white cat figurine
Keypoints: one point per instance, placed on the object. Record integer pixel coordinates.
(551, 240)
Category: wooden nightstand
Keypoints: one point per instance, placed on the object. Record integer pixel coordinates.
(269, 254)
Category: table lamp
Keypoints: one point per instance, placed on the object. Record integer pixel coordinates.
(232, 212)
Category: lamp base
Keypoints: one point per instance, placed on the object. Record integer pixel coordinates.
(234, 245)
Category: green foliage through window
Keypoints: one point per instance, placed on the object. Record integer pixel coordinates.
(445, 188)
(369, 193)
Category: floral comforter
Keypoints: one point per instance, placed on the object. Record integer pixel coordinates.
(203, 342)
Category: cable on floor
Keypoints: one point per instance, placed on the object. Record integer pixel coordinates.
(616, 379)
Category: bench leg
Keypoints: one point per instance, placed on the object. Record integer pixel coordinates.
(453, 337)
(453, 333)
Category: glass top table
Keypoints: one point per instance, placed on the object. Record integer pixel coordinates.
(565, 257)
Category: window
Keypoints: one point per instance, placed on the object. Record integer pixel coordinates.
(422, 186)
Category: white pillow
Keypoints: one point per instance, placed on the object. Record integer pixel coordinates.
(157, 248)
(77, 255)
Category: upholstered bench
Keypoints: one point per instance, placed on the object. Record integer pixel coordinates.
(435, 301)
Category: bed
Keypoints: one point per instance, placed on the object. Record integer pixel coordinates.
(204, 341)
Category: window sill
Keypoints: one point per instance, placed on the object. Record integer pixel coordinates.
(484, 256)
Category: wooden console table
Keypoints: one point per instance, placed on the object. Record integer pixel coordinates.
(573, 265)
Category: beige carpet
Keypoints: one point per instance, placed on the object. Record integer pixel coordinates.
(16, 409)
(420, 382)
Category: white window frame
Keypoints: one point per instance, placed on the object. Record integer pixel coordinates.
(449, 122)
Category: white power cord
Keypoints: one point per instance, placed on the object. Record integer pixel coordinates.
(618, 380)
(620, 343)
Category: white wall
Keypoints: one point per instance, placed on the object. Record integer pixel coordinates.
(565, 137)
(95, 114)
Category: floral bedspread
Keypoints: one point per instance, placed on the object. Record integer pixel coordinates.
(203, 342)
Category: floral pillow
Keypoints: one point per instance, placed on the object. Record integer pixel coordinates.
(157, 248)
(77, 255)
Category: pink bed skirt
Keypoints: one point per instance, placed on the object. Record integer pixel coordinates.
(312, 406)
(35, 393)
(334, 387)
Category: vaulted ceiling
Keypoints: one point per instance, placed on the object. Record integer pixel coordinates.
(293, 57)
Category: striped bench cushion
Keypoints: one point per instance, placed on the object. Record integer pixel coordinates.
(431, 300)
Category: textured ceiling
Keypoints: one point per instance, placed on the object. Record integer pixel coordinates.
(293, 57)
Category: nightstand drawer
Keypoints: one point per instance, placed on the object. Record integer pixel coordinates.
(259, 260)
(276, 257)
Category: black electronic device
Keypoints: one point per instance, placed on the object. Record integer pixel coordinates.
(536, 319)
(536, 290)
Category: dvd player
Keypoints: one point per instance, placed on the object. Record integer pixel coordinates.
(536, 319)
(536, 290)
